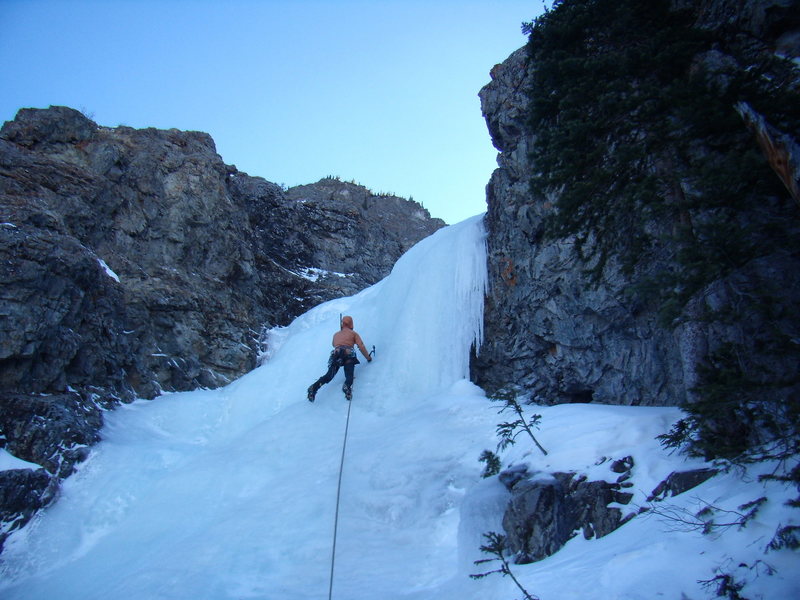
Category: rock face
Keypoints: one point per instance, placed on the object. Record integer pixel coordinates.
(135, 261)
(551, 333)
(54, 431)
(353, 231)
(547, 510)
(547, 330)
(22, 493)
(543, 515)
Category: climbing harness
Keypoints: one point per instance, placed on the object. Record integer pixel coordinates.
(338, 497)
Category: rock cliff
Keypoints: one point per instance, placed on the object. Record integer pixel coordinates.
(552, 333)
(135, 261)
(548, 331)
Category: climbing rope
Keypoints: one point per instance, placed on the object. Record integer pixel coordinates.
(338, 496)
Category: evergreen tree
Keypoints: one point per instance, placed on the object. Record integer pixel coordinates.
(618, 103)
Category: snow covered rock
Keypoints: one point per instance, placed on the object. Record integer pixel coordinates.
(53, 431)
(547, 510)
(681, 481)
(22, 493)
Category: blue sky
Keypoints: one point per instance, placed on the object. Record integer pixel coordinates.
(381, 92)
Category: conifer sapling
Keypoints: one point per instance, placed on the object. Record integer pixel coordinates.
(496, 547)
(508, 431)
(492, 463)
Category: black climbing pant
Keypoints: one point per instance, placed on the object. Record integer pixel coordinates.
(343, 356)
(332, 370)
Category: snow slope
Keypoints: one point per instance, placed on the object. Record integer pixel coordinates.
(231, 493)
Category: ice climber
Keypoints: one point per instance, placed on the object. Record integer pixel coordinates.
(343, 355)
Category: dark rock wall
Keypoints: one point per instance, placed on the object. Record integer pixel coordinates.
(548, 332)
(134, 261)
(553, 335)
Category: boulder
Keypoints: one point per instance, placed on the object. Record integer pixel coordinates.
(679, 482)
(546, 510)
